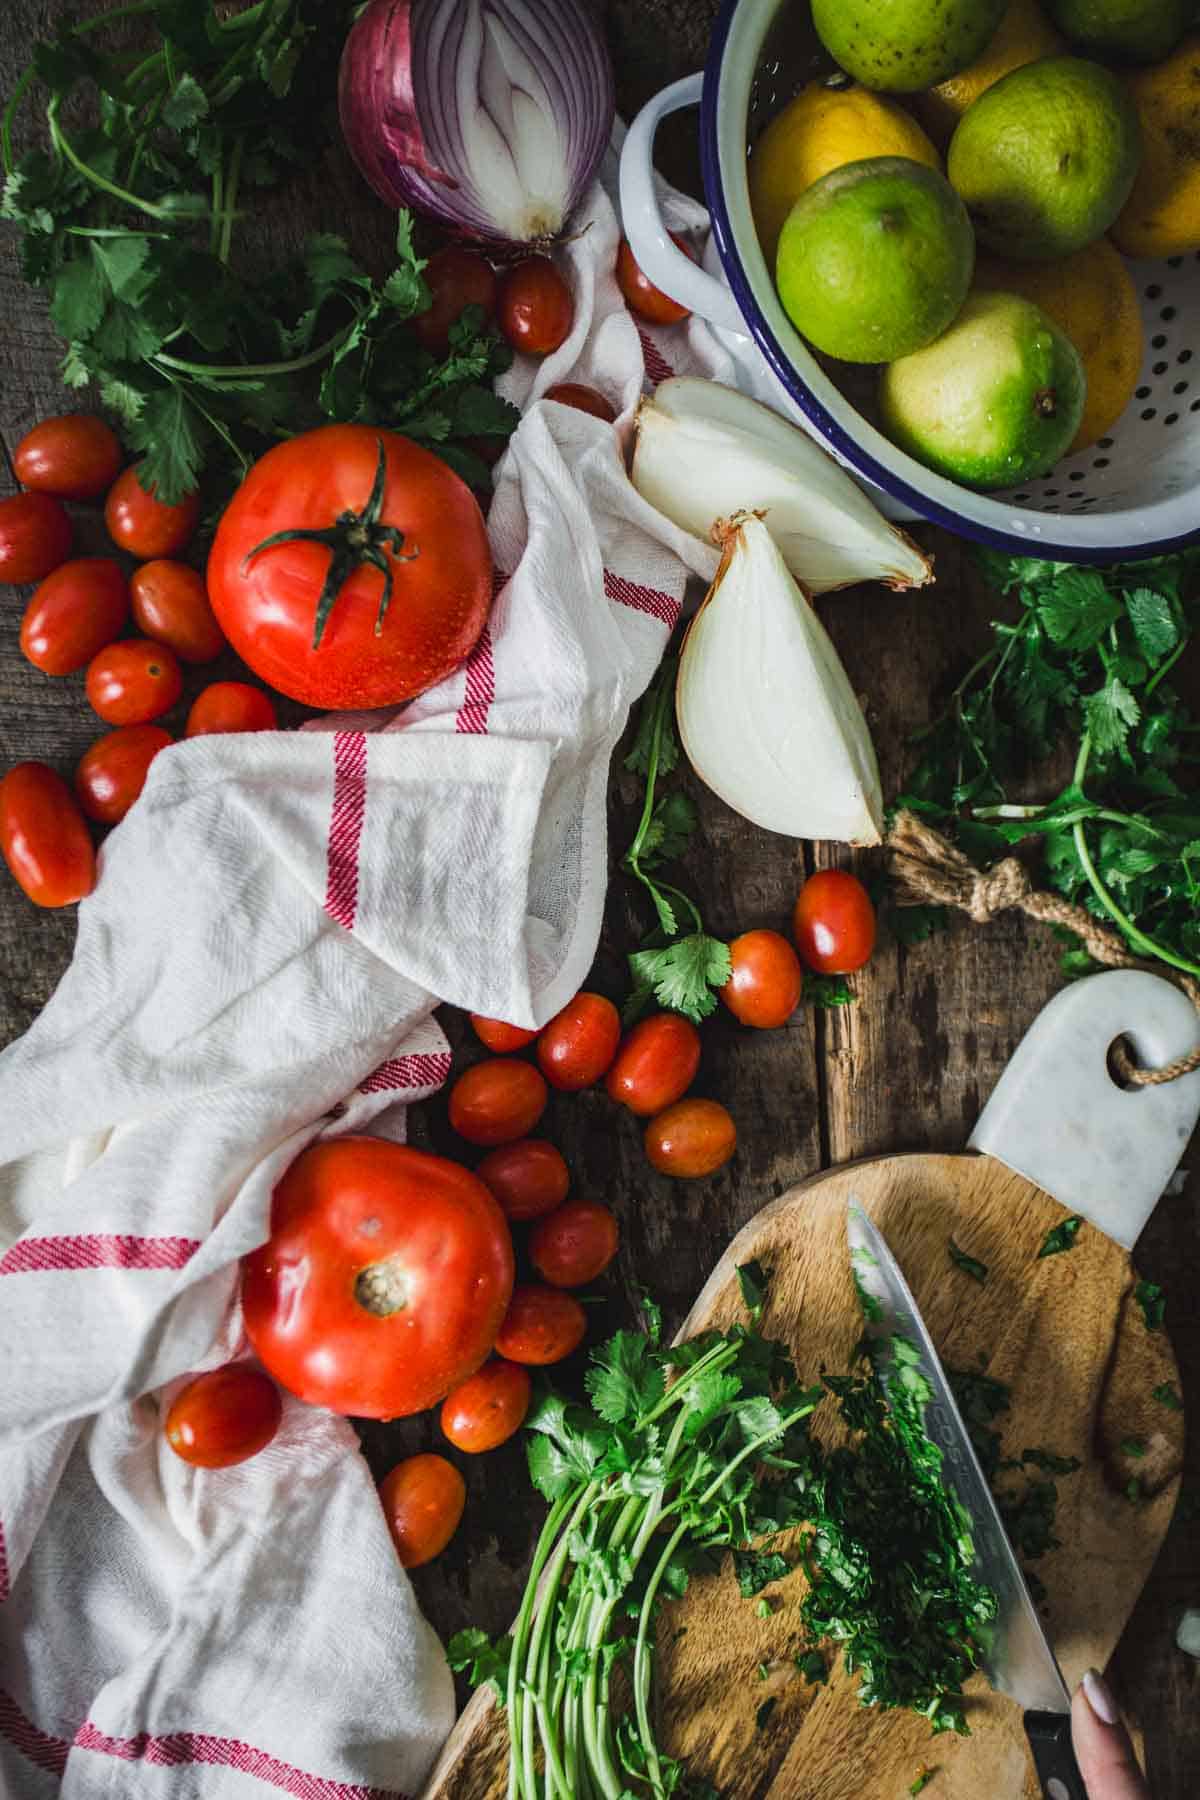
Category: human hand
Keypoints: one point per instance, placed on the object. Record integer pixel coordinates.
(1102, 1747)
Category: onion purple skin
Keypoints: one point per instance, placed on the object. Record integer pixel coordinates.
(401, 125)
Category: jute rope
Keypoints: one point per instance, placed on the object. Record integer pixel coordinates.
(927, 869)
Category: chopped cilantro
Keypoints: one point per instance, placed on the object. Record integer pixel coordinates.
(752, 1281)
(1152, 1301)
(970, 1265)
(813, 1667)
(1061, 1237)
(1134, 1447)
(1166, 1396)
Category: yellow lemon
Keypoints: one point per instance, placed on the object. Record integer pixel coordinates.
(822, 129)
(1023, 36)
(1091, 296)
(1162, 215)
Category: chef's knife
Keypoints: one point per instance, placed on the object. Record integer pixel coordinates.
(1019, 1660)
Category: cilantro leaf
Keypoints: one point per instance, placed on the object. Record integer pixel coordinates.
(812, 1666)
(669, 830)
(80, 296)
(1078, 609)
(826, 991)
(1134, 1447)
(1153, 620)
(752, 1280)
(171, 434)
(970, 1265)
(685, 973)
(922, 1781)
(485, 1664)
(185, 105)
(1061, 1237)
(1050, 1462)
(655, 742)
(624, 1381)
(1152, 1301)
(754, 1569)
(1110, 714)
(1166, 1396)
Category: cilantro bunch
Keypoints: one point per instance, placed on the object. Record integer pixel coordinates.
(130, 223)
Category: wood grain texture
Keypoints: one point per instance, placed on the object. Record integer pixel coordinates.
(904, 1068)
(1063, 1333)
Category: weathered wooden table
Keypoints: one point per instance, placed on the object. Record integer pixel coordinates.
(908, 1066)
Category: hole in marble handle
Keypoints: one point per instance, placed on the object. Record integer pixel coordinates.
(1120, 1056)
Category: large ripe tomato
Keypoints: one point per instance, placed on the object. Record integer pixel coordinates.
(499, 1036)
(230, 706)
(138, 521)
(578, 1044)
(43, 837)
(35, 536)
(656, 1064)
(74, 455)
(528, 1178)
(542, 1325)
(834, 922)
(764, 981)
(171, 604)
(573, 1245)
(691, 1138)
(498, 1101)
(489, 1406)
(224, 1417)
(534, 306)
(383, 1282)
(422, 1499)
(639, 292)
(112, 772)
(302, 561)
(79, 608)
(134, 681)
(456, 279)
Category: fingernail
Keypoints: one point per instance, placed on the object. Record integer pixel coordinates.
(1099, 1697)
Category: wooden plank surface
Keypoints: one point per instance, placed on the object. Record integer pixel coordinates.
(906, 1067)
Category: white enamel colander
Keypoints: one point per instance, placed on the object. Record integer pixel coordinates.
(1135, 492)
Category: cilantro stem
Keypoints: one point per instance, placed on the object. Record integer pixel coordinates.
(65, 148)
(29, 73)
(253, 371)
(231, 188)
(641, 1654)
(1166, 666)
(218, 190)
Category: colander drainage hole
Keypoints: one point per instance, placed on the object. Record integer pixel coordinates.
(1167, 314)
(1160, 368)
(1142, 393)
(1101, 462)
(1170, 418)
(1157, 342)
(1153, 291)
(1181, 387)
(1185, 356)
(1149, 412)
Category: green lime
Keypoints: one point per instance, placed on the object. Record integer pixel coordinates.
(900, 46)
(996, 400)
(1046, 157)
(1143, 30)
(875, 259)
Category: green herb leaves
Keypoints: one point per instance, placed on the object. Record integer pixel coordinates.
(1061, 1237)
(1152, 1301)
(1166, 1396)
(970, 1265)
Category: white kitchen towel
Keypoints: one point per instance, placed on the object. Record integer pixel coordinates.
(274, 923)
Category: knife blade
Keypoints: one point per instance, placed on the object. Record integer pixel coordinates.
(1018, 1659)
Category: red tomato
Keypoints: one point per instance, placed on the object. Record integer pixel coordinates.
(133, 681)
(527, 1178)
(834, 922)
(143, 524)
(656, 1063)
(171, 604)
(79, 608)
(342, 649)
(500, 1037)
(542, 1325)
(578, 1044)
(384, 1279)
(112, 772)
(693, 1137)
(35, 536)
(489, 1406)
(43, 837)
(224, 1417)
(639, 292)
(583, 399)
(74, 455)
(534, 306)
(422, 1499)
(495, 1102)
(575, 1244)
(764, 986)
(230, 706)
(455, 279)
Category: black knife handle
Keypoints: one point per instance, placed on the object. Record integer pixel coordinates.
(1049, 1737)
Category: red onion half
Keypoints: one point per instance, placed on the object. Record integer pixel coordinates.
(489, 115)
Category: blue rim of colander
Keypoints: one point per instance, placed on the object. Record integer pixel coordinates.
(835, 434)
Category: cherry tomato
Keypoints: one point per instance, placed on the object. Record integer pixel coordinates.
(133, 681)
(527, 1178)
(575, 1244)
(171, 604)
(230, 706)
(534, 306)
(495, 1102)
(693, 1137)
(542, 1325)
(764, 986)
(35, 536)
(500, 1037)
(455, 279)
(224, 1417)
(639, 292)
(74, 455)
(422, 1499)
(143, 524)
(383, 1282)
(656, 1063)
(426, 527)
(43, 837)
(583, 399)
(489, 1406)
(112, 771)
(579, 1042)
(834, 922)
(76, 611)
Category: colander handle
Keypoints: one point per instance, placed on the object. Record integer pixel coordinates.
(665, 264)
